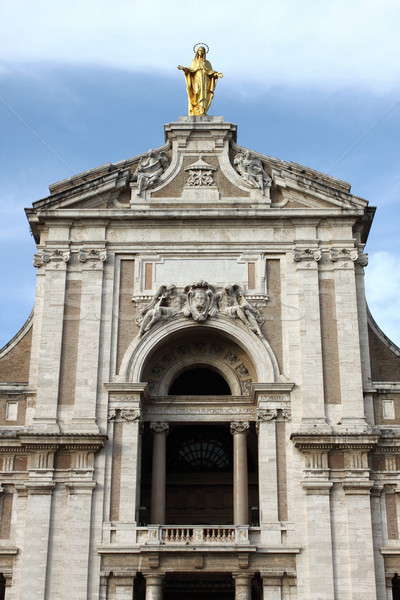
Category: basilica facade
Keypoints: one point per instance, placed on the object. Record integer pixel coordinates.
(200, 405)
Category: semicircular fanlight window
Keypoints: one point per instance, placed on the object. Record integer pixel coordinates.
(203, 454)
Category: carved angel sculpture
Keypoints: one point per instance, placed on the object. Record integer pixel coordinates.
(252, 170)
(150, 168)
(158, 309)
(233, 303)
(200, 301)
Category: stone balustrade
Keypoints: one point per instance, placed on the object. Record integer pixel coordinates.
(196, 535)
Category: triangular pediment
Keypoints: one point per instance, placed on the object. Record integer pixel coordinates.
(200, 165)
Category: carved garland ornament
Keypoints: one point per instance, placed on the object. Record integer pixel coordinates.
(200, 302)
(124, 415)
(273, 414)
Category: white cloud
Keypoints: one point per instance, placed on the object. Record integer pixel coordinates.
(323, 44)
(383, 292)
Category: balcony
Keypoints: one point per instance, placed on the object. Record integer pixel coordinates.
(196, 535)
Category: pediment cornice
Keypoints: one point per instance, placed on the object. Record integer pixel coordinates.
(164, 183)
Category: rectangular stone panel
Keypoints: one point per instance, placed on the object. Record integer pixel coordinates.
(12, 410)
(116, 472)
(391, 516)
(6, 500)
(69, 351)
(387, 409)
(273, 310)
(218, 271)
(330, 354)
(127, 327)
(281, 469)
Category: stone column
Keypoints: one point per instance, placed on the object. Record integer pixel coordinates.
(158, 476)
(130, 465)
(378, 529)
(103, 589)
(36, 540)
(123, 589)
(361, 262)
(77, 537)
(239, 431)
(84, 413)
(320, 584)
(360, 540)
(242, 586)
(348, 332)
(310, 332)
(272, 586)
(54, 262)
(153, 586)
(267, 471)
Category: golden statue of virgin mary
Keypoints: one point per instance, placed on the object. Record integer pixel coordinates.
(201, 80)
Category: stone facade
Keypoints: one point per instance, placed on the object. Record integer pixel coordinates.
(183, 261)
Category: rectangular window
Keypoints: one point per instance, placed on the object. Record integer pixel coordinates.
(11, 411)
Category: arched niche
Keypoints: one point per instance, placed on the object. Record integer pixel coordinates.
(260, 356)
(198, 348)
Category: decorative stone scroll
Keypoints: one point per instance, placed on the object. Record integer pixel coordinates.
(201, 174)
(92, 255)
(44, 257)
(336, 254)
(252, 171)
(200, 302)
(307, 254)
(149, 170)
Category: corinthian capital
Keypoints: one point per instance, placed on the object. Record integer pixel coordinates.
(159, 427)
(239, 426)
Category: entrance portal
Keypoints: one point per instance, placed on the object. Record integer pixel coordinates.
(210, 586)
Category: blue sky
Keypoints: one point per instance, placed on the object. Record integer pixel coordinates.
(90, 82)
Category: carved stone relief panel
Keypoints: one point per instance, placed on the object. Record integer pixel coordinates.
(200, 301)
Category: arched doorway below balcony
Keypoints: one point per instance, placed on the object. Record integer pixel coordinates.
(196, 586)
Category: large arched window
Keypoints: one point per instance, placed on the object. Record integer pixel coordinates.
(201, 449)
(199, 381)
